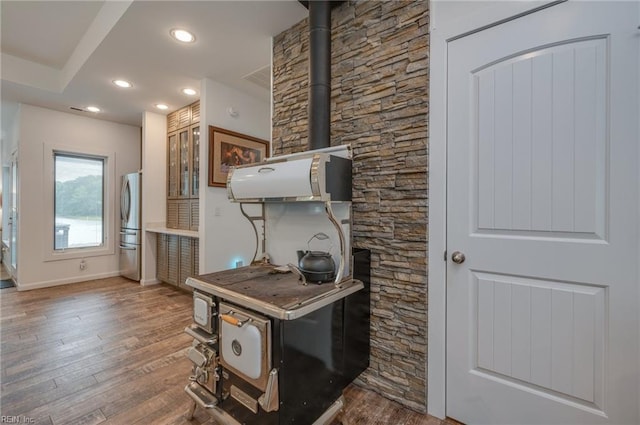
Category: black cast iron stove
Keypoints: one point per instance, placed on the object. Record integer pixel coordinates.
(268, 347)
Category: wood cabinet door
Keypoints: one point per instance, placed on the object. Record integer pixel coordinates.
(162, 265)
(186, 261)
(184, 116)
(173, 259)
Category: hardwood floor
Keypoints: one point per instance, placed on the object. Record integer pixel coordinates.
(4, 274)
(112, 352)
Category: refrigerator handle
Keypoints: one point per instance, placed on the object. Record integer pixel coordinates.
(125, 200)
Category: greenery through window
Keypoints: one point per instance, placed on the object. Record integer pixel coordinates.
(79, 201)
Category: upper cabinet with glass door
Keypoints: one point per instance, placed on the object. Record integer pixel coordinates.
(183, 144)
(185, 158)
(195, 160)
(172, 165)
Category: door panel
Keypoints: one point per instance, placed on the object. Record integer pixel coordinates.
(130, 261)
(130, 201)
(541, 145)
(542, 198)
(541, 333)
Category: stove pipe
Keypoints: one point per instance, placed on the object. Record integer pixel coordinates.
(319, 74)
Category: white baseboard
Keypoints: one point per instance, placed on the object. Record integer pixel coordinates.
(65, 281)
(149, 282)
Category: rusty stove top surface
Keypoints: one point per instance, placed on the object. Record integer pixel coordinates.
(274, 293)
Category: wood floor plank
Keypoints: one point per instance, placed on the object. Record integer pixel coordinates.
(112, 398)
(143, 356)
(30, 369)
(112, 352)
(73, 368)
(40, 353)
(143, 393)
(36, 403)
(18, 343)
(145, 411)
(92, 418)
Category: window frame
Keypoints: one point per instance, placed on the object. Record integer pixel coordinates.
(108, 207)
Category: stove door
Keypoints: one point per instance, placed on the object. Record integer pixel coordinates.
(245, 344)
(204, 311)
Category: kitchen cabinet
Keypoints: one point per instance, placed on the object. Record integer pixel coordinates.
(183, 167)
(180, 118)
(188, 260)
(183, 214)
(177, 259)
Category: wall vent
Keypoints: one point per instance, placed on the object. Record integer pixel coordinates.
(260, 77)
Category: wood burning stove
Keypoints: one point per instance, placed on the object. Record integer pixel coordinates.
(268, 349)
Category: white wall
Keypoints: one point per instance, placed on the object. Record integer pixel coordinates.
(225, 235)
(40, 127)
(154, 188)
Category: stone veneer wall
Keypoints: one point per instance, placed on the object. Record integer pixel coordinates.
(379, 104)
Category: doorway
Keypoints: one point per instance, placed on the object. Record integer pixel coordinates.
(10, 228)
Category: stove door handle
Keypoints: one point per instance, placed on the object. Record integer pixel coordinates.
(196, 357)
(232, 320)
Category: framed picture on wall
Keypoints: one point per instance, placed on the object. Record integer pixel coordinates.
(229, 149)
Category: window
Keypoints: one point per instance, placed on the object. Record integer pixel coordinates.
(79, 201)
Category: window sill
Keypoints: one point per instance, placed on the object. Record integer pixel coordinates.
(72, 253)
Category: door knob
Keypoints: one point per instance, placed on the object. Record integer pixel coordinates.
(457, 257)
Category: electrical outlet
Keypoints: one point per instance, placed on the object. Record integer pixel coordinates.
(83, 265)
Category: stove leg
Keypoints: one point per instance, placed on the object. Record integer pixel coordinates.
(191, 411)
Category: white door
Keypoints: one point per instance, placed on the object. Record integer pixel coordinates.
(542, 199)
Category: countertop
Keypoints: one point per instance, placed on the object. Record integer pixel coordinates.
(276, 294)
(161, 228)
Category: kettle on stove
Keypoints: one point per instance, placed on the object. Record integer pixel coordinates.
(317, 266)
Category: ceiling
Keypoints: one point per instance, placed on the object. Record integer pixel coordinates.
(64, 54)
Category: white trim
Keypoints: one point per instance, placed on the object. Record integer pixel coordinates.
(638, 221)
(446, 23)
(108, 248)
(65, 281)
(436, 355)
(149, 282)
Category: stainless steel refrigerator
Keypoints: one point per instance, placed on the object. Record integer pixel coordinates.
(130, 220)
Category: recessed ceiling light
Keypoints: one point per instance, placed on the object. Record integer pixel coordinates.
(161, 106)
(189, 92)
(182, 35)
(122, 83)
(93, 109)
